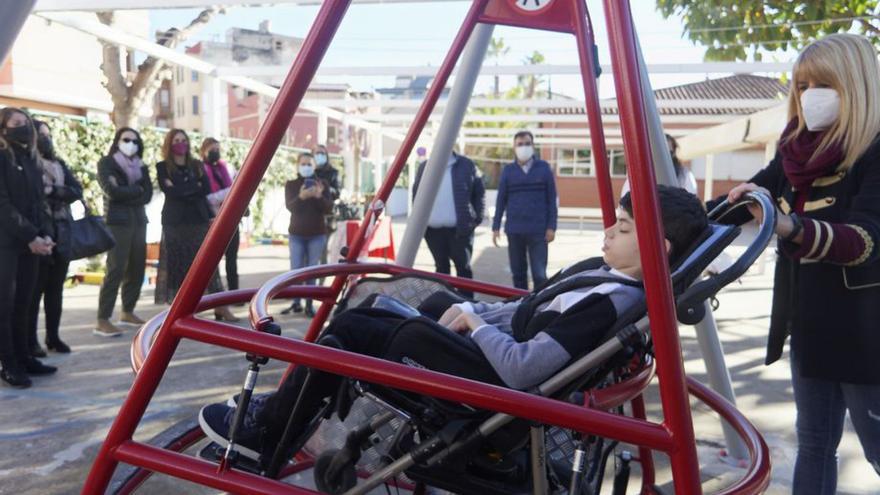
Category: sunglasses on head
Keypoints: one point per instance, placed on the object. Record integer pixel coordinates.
(130, 140)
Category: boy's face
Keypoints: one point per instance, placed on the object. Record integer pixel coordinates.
(621, 247)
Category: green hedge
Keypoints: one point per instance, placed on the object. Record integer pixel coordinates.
(82, 142)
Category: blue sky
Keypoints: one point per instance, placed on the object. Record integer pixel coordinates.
(420, 34)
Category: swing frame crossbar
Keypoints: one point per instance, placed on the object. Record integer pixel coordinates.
(674, 436)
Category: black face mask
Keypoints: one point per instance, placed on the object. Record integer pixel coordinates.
(213, 156)
(45, 146)
(21, 134)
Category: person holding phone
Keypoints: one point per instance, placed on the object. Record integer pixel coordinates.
(308, 199)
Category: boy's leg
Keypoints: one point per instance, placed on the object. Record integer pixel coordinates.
(364, 331)
(516, 252)
(538, 258)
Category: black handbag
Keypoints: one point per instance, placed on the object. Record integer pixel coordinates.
(89, 236)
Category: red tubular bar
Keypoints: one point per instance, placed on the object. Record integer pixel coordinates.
(403, 152)
(757, 476)
(478, 394)
(583, 31)
(661, 310)
(202, 472)
(269, 136)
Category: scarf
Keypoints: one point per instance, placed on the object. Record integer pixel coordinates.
(218, 175)
(800, 169)
(53, 174)
(131, 165)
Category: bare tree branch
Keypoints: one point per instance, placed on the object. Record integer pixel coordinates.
(128, 99)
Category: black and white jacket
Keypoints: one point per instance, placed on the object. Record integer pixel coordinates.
(529, 339)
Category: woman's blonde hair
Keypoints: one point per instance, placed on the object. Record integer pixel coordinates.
(848, 64)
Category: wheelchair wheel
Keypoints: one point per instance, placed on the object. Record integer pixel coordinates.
(334, 474)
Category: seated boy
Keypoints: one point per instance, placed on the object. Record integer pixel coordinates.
(517, 344)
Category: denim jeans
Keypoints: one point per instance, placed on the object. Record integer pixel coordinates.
(821, 409)
(533, 246)
(306, 251)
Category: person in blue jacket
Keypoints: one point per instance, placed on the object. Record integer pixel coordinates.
(527, 192)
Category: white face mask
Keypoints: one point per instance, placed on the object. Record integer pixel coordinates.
(523, 153)
(128, 149)
(306, 170)
(821, 108)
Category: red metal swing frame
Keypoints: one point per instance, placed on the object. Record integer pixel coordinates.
(674, 436)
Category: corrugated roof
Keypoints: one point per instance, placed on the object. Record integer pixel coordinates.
(736, 87)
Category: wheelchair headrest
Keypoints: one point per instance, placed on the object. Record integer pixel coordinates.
(700, 254)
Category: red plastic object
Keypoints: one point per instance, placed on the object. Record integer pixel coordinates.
(674, 436)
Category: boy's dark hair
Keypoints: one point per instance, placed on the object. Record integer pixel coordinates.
(524, 134)
(683, 216)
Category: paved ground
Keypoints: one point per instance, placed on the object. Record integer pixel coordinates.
(50, 433)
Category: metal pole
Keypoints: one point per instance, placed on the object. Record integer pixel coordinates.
(707, 330)
(661, 310)
(14, 14)
(453, 116)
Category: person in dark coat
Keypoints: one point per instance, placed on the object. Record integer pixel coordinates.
(186, 217)
(61, 189)
(457, 211)
(25, 235)
(220, 178)
(127, 188)
(826, 294)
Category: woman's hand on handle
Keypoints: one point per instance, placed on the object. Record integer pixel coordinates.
(737, 192)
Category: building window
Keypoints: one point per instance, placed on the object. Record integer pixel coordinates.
(180, 107)
(195, 105)
(164, 99)
(332, 134)
(195, 76)
(279, 45)
(617, 161)
(574, 163)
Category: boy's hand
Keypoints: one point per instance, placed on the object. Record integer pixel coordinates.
(449, 315)
(465, 322)
(496, 234)
(550, 235)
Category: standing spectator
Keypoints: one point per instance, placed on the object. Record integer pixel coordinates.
(330, 176)
(127, 188)
(308, 200)
(527, 192)
(826, 180)
(220, 180)
(327, 172)
(61, 189)
(458, 209)
(186, 217)
(24, 235)
(684, 177)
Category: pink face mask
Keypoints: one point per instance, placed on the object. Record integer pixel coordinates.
(180, 148)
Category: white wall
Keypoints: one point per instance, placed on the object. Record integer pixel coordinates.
(58, 64)
(733, 165)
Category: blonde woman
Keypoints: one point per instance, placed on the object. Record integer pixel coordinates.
(826, 180)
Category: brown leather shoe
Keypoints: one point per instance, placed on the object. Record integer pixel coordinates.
(223, 314)
(104, 328)
(131, 318)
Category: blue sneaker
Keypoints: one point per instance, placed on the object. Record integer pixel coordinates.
(216, 421)
(258, 401)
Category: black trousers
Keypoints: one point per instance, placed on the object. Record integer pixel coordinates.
(445, 245)
(18, 274)
(49, 287)
(232, 261)
(419, 342)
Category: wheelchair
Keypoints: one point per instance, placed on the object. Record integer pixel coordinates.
(389, 436)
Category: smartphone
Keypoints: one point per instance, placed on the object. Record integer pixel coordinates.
(308, 183)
